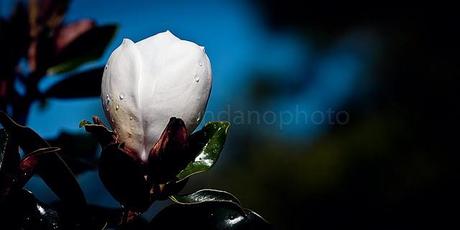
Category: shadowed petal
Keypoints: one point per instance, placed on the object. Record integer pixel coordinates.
(171, 153)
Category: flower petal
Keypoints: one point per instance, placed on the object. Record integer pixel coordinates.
(176, 82)
(119, 93)
(171, 153)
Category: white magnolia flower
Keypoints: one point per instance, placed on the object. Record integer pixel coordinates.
(148, 82)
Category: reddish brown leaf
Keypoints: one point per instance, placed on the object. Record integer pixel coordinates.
(170, 154)
(28, 165)
(70, 32)
(100, 131)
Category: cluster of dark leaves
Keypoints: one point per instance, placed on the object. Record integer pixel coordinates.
(19, 209)
(36, 43)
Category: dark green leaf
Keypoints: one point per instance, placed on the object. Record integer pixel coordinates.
(208, 143)
(204, 195)
(173, 187)
(124, 178)
(84, 84)
(103, 216)
(25, 137)
(255, 220)
(92, 217)
(87, 47)
(84, 123)
(9, 155)
(23, 211)
(208, 215)
(9, 161)
(52, 169)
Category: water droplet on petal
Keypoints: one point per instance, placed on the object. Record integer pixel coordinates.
(117, 107)
(107, 101)
(196, 78)
(131, 118)
(122, 96)
(106, 67)
(201, 63)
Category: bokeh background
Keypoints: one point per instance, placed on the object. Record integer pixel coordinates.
(375, 146)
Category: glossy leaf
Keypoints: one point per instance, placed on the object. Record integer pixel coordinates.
(23, 211)
(9, 155)
(25, 137)
(204, 195)
(87, 47)
(124, 178)
(163, 191)
(84, 84)
(9, 161)
(255, 221)
(208, 215)
(207, 143)
(52, 169)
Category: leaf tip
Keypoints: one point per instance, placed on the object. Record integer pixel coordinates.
(83, 123)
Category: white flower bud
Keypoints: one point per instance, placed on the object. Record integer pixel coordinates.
(146, 83)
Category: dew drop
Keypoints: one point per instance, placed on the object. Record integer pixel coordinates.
(117, 107)
(196, 78)
(201, 63)
(106, 67)
(131, 118)
(122, 96)
(107, 98)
